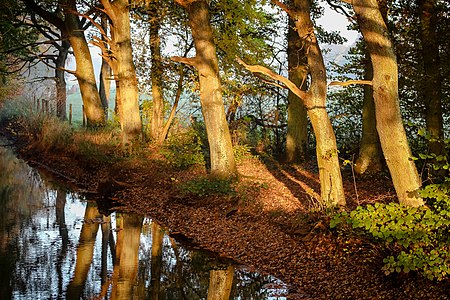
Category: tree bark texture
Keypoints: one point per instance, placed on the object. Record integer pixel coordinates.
(85, 69)
(157, 121)
(61, 92)
(332, 190)
(128, 95)
(105, 73)
(219, 139)
(385, 89)
(431, 82)
(370, 154)
(297, 122)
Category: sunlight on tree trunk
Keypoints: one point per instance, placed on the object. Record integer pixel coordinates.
(85, 69)
(219, 139)
(385, 88)
(128, 96)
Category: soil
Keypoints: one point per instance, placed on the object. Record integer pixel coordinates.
(271, 224)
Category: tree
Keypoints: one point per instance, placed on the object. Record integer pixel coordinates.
(385, 92)
(431, 82)
(72, 28)
(297, 123)
(314, 99)
(206, 63)
(124, 70)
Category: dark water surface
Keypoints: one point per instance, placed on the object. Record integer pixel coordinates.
(56, 245)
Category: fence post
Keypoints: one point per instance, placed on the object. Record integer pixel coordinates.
(70, 113)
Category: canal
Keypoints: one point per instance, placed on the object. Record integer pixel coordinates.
(56, 244)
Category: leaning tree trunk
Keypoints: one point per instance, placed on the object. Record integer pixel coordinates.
(220, 147)
(297, 122)
(85, 69)
(157, 121)
(385, 88)
(128, 109)
(431, 82)
(332, 190)
(370, 153)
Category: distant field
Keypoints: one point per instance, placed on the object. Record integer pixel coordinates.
(77, 104)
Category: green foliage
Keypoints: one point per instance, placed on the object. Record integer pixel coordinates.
(419, 236)
(242, 152)
(202, 187)
(183, 150)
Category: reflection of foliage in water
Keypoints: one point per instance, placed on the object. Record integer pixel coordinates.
(40, 230)
(21, 193)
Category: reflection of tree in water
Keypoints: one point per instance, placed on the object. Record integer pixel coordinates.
(191, 274)
(50, 247)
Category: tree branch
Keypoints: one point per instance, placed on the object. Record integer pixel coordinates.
(349, 82)
(276, 77)
(46, 15)
(191, 61)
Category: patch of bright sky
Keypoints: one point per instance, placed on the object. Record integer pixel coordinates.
(334, 21)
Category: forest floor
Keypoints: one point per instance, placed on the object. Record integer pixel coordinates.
(271, 222)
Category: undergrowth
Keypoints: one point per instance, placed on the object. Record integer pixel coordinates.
(418, 239)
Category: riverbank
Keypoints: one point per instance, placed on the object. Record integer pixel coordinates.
(267, 221)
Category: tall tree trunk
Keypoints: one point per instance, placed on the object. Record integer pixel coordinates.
(370, 154)
(385, 88)
(61, 93)
(332, 190)
(297, 123)
(220, 147)
(105, 73)
(432, 82)
(128, 109)
(85, 69)
(157, 120)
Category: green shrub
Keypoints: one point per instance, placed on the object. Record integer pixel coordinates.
(241, 152)
(183, 150)
(419, 234)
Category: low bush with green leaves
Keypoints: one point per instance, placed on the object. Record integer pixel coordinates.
(420, 236)
(183, 150)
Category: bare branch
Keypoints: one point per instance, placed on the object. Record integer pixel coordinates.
(191, 61)
(285, 8)
(349, 82)
(276, 77)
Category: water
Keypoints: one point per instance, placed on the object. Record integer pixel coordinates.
(54, 244)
